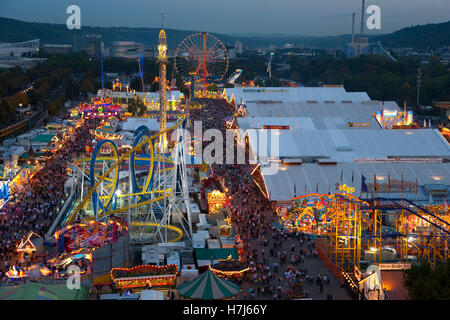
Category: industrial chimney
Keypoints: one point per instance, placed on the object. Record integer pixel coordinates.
(363, 11)
(353, 28)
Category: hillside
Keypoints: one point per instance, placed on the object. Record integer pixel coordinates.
(11, 30)
(420, 36)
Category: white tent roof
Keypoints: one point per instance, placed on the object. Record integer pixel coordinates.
(289, 94)
(348, 145)
(280, 186)
(356, 111)
(149, 96)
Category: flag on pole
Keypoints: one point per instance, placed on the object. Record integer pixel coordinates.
(402, 183)
(389, 182)
(295, 190)
(363, 184)
(329, 189)
(342, 175)
(417, 187)
(353, 178)
(305, 188)
(317, 187)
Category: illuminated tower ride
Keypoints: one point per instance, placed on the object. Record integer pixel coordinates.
(162, 59)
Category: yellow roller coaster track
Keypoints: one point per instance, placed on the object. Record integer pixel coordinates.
(125, 156)
(170, 227)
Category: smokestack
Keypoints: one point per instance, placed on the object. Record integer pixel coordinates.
(353, 28)
(363, 11)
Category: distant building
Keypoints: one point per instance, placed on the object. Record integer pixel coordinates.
(19, 49)
(149, 53)
(57, 48)
(442, 104)
(357, 48)
(7, 62)
(238, 47)
(126, 49)
(231, 52)
(77, 43)
(92, 44)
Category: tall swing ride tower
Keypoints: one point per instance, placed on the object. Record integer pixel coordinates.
(162, 59)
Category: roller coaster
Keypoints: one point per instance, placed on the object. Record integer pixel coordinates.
(347, 227)
(144, 187)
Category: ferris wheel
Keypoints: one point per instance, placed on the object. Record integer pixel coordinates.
(202, 55)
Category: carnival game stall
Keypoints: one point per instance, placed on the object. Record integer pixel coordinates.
(145, 276)
(99, 108)
(30, 245)
(214, 194)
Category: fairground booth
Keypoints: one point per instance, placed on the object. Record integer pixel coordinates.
(144, 277)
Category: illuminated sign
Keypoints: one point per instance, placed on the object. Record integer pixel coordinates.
(396, 160)
(276, 127)
(345, 188)
(394, 266)
(358, 124)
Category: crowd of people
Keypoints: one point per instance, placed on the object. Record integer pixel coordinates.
(36, 206)
(277, 269)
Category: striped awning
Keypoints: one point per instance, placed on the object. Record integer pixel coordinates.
(207, 287)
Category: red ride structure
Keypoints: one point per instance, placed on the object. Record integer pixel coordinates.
(202, 55)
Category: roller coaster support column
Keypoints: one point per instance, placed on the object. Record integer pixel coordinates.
(402, 227)
(179, 203)
(376, 233)
(129, 192)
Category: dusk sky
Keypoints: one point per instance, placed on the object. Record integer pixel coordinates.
(301, 17)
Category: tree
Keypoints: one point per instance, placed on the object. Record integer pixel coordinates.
(154, 87)
(179, 83)
(108, 85)
(259, 83)
(135, 84)
(424, 283)
(87, 86)
(136, 107)
(272, 82)
(132, 107)
(4, 112)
